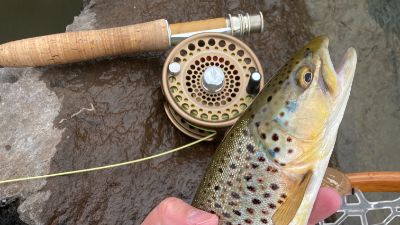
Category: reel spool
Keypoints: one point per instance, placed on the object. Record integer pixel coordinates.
(209, 80)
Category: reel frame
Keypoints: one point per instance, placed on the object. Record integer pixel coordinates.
(190, 105)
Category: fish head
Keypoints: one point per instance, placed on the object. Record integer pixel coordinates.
(299, 111)
(317, 89)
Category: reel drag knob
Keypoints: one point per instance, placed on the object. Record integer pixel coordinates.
(213, 79)
(209, 80)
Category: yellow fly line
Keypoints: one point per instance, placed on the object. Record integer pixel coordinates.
(212, 134)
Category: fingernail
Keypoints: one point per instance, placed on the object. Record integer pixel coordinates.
(199, 217)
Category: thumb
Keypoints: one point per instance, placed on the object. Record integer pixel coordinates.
(173, 211)
(327, 203)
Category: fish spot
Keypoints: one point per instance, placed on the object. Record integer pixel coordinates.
(263, 220)
(245, 133)
(232, 166)
(277, 149)
(280, 201)
(257, 124)
(275, 137)
(217, 205)
(263, 136)
(248, 177)
(260, 180)
(274, 186)
(212, 211)
(248, 221)
(290, 151)
(283, 195)
(250, 148)
(267, 195)
(282, 114)
(252, 116)
(282, 164)
(269, 98)
(220, 170)
(229, 183)
(251, 188)
(254, 166)
(250, 210)
(227, 215)
(235, 195)
(289, 139)
(237, 212)
(232, 203)
(272, 205)
(261, 159)
(265, 212)
(217, 188)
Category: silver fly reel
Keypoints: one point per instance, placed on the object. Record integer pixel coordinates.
(209, 80)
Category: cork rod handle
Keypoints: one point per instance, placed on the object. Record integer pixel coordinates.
(84, 45)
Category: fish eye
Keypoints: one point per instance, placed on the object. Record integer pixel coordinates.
(304, 76)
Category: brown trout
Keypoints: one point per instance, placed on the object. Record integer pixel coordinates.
(270, 165)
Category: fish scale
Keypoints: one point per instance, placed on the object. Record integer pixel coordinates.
(268, 167)
(244, 184)
(240, 175)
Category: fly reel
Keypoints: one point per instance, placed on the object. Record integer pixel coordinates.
(209, 80)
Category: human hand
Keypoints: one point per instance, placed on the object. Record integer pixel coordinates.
(175, 211)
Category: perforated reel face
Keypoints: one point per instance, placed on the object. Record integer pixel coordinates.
(205, 79)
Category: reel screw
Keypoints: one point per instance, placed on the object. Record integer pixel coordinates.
(174, 68)
(254, 83)
(213, 79)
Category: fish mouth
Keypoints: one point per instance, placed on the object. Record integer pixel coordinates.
(337, 80)
(346, 69)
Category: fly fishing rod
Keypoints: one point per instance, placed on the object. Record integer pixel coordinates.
(150, 36)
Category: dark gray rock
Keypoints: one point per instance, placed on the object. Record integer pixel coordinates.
(40, 132)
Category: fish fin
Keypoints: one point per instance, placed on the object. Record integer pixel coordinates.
(286, 212)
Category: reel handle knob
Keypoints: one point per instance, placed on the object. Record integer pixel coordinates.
(253, 87)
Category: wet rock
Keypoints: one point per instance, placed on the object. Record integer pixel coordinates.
(28, 139)
(8, 211)
(121, 118)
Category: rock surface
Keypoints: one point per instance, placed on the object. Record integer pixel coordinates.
(128, 121)
(40, 131)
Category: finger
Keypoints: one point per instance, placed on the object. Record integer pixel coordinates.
(327, 203)
(175, 211)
